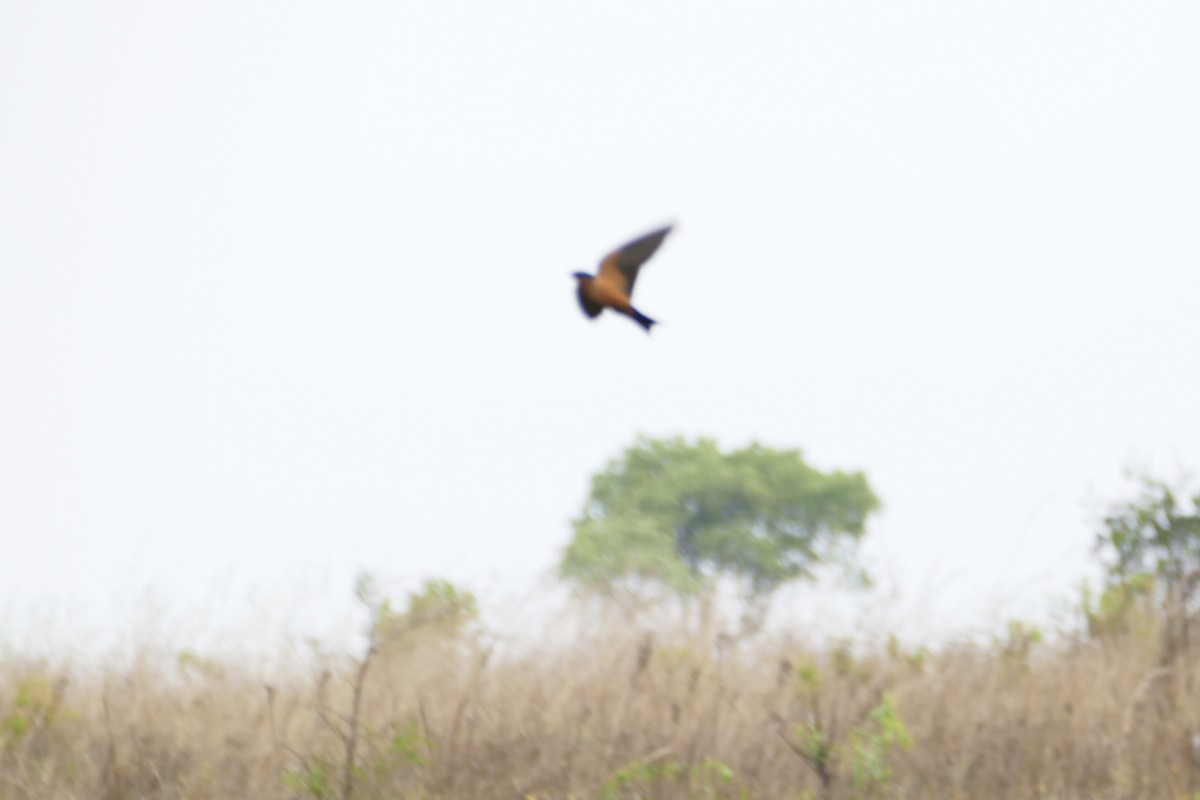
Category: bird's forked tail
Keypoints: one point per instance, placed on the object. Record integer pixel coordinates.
(642, 319)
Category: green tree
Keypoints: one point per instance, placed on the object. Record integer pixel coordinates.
(440, 604)
(440, 607)
(672, 516)
(1154, 541)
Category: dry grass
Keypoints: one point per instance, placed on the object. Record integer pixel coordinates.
(613, 715)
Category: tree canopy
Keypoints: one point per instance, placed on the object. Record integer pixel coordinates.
(677, 515)
(1152, 544)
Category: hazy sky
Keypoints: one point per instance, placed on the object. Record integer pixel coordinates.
(284, 286)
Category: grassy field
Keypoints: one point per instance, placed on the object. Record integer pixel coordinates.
(621, 713)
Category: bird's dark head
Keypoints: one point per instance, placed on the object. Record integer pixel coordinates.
(581, 276)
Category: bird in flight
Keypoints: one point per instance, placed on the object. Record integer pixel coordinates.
(612, 285)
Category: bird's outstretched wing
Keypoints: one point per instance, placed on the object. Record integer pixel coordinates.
(620, 267)
(590, 306)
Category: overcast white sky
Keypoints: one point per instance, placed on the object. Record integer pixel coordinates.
(284, 286)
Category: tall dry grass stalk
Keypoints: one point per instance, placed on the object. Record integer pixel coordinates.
(616, 713)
